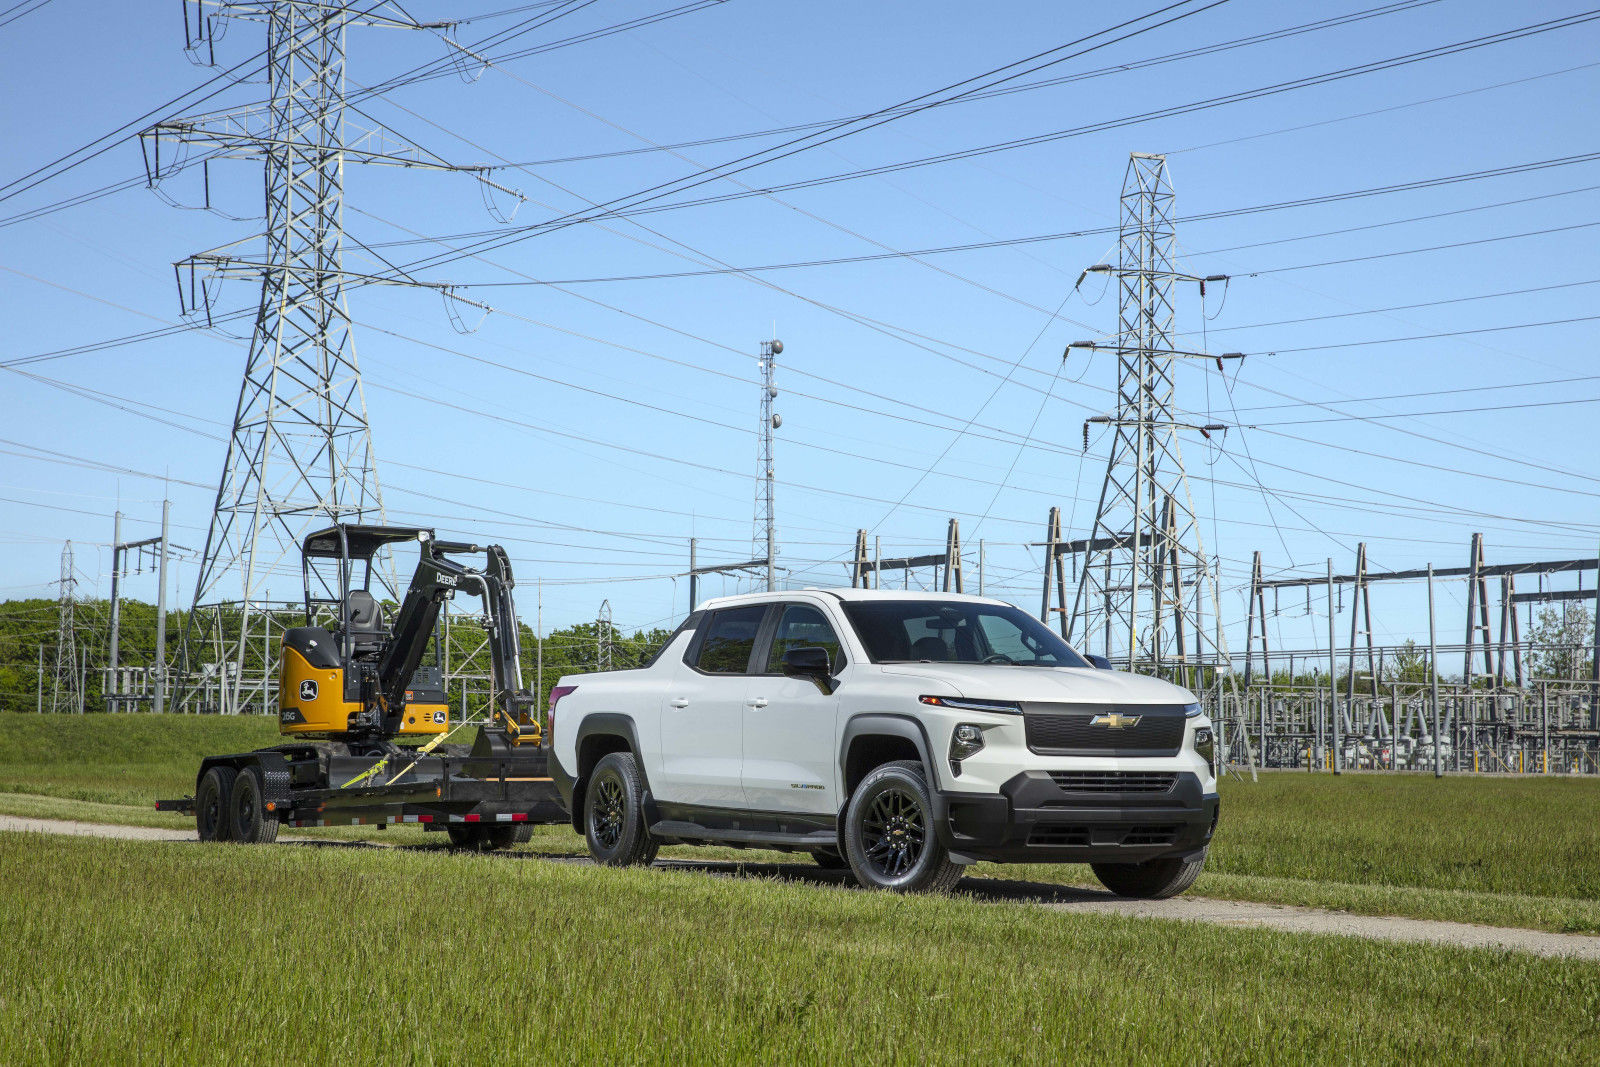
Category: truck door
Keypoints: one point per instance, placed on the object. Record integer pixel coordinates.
(790, 725)
(702, 713)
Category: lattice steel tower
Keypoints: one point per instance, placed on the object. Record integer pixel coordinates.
(300, 454)
(66, 689)
(766, 526)
(1145, 582)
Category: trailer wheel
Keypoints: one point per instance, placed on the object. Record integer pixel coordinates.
(211, 804)
(613, 815)
(830, 859)
(249, 820)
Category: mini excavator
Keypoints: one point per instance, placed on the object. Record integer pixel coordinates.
(365, 683)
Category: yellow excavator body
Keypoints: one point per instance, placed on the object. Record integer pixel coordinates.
(311, 702)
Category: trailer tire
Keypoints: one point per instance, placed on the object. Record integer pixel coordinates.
(249, 821)
(613, 814)
(211, 806)
(830, 859)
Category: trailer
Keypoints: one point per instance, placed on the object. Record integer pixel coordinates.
(351, 692)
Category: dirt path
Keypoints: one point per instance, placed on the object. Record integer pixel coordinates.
(1284, 918)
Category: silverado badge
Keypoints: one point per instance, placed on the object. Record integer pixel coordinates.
(1115, 721)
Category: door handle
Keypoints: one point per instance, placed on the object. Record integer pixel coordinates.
(758, 702)
(680, 702)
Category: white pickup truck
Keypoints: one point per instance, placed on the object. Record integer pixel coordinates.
(902, 735)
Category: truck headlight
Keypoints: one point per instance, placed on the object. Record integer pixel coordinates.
(965, 740)
(1205, 743)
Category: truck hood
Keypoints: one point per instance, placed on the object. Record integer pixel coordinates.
(1056, 685)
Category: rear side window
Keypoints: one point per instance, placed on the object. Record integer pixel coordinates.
(730, 639)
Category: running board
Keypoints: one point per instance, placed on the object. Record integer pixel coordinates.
(689, 831)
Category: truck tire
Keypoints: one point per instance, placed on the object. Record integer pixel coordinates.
(249, 821)
(889, 836)
(1152, 880)
(211, 804)
(613, 814)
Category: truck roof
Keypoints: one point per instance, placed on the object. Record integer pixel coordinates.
(845, 593)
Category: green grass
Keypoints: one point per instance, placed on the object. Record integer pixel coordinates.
(177, 953)
(1500, 851)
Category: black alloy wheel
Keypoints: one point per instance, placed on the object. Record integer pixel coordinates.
(889, 836)
(894, 832)
(607, 811)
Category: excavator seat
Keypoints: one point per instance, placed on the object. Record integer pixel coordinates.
(363, 622)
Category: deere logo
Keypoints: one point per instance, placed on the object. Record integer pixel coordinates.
(308, 690)
(1115, 721)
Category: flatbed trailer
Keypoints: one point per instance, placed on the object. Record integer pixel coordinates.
(485, 798)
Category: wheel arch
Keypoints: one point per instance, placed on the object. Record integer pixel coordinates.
(874, 739)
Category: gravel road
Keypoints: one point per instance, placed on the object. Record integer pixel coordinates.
(1283, 918)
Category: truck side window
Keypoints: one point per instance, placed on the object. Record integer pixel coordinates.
(730, 639)
(802, 627)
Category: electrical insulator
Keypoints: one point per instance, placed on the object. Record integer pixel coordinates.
(1086, 437)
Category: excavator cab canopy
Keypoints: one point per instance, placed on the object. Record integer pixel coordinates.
(328, 561)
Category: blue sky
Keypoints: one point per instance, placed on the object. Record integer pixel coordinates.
(507, 433)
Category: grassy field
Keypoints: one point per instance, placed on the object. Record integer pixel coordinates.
(1503, 851)
(178, 953)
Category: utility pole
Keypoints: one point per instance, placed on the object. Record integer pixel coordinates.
(300, 453)
(766, 539)
(38, 698)
(113, 686)
(1145, 538)
(66, 694)
(161, 611)
(1433, 672)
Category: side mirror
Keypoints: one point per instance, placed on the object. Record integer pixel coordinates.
(1097, 661)
(813, 664)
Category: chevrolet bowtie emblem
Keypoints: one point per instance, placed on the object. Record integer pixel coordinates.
(1115, 721)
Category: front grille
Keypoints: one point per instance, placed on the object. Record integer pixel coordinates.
(1113, 781)
(1069, 730)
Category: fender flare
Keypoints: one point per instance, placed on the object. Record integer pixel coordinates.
(602, 723)
(893, 725)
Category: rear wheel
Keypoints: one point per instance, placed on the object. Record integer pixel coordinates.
(613, 814)
(211, 804)
(889, 836)
(249, 821)
(1152, 880)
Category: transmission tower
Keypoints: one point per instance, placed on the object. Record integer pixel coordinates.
(766, 525)
(603, 637)
(300, 454)
(1145, 581)
(66, 692)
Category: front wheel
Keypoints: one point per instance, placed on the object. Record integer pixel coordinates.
(1152, 880)
(613, 814)
(889, 836)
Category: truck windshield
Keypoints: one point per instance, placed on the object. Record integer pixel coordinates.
(900, 631)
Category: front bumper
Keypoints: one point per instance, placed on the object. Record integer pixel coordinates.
(1032, 820)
